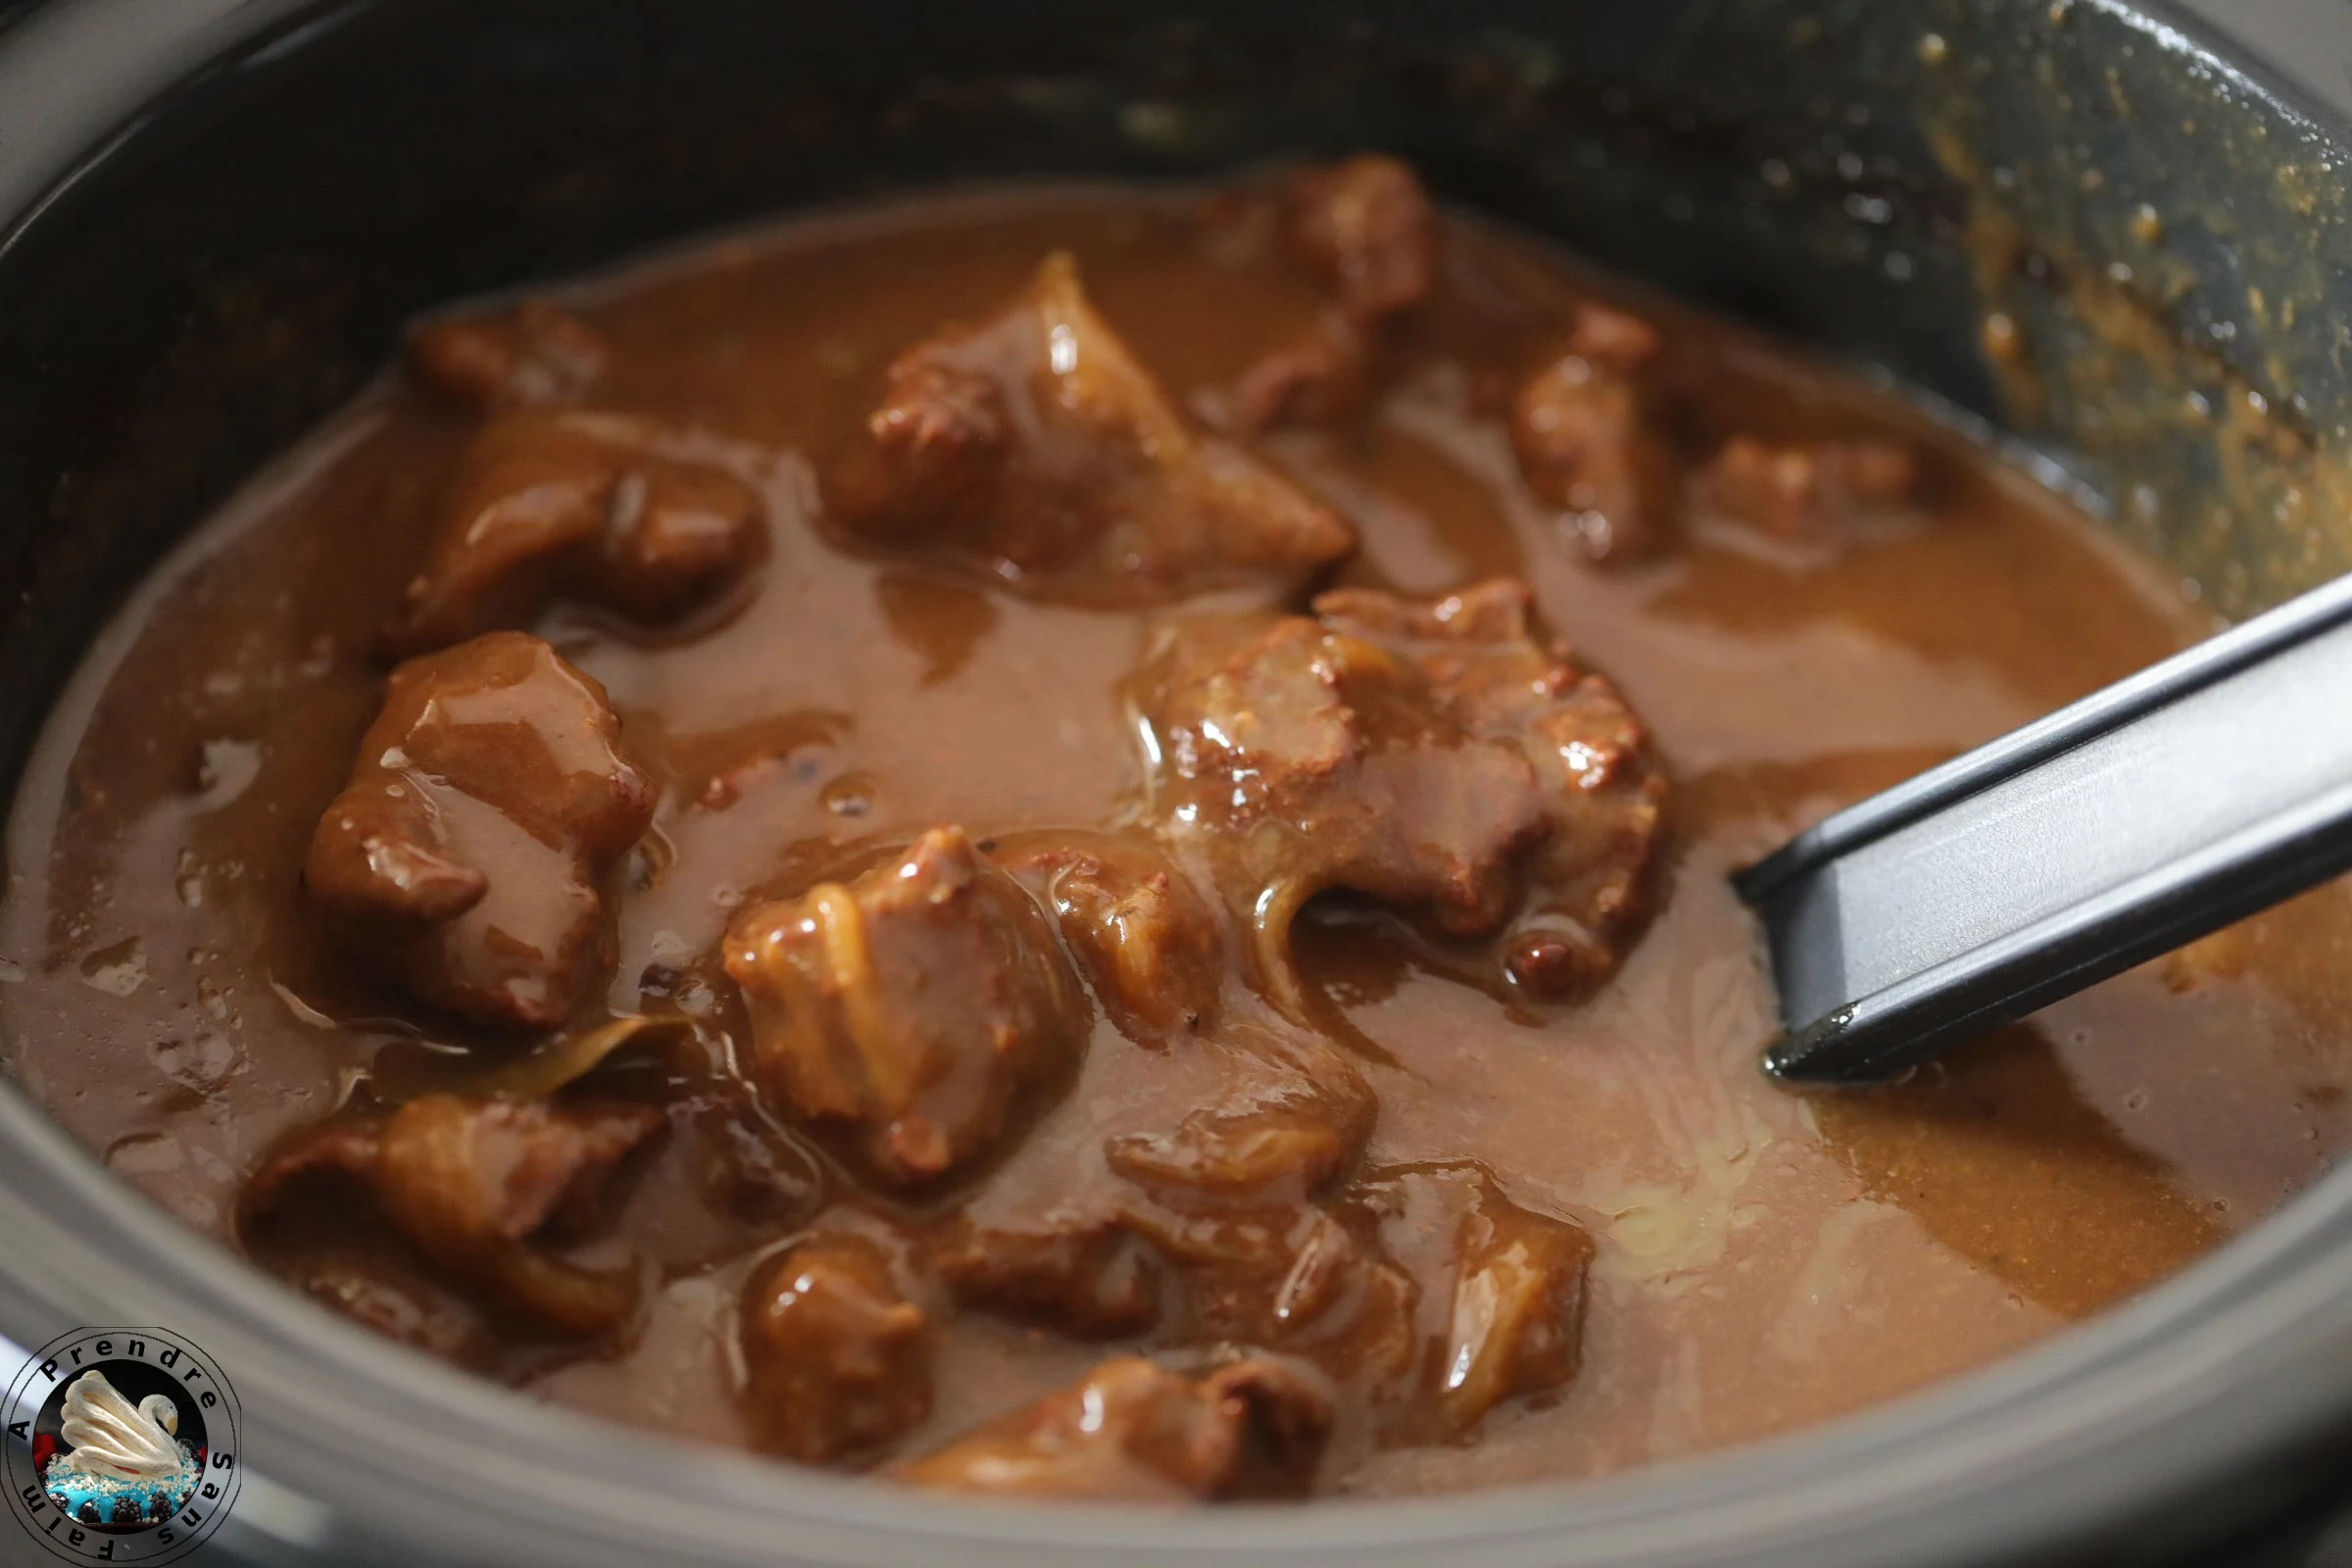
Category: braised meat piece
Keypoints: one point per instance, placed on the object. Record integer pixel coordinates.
(1134, 1431)
(1367, 231)
(1296, 1117)
(1325, 376)
(474, 1185)
(1429, 756)
(1593, 876)
(1502, 1304)
(1035, 451)
(915, 1014)
(1207, 1230)
(534, 356)
(1087, 1271)
(837, 1360)
(1805, 491)
(610, 510)
(468, 1182)
(1312, 1282)
(1614, 340)
(1588, 441)
(1367, 228)
(1516, 1322)
(1602, 789)
(1339, 1302)
(1113, 1261)
(415, 1312)
(1276, 1142)
(1296, 759)
(937, 451)
(1141, 933)
(1238, 1200)
(466, 854)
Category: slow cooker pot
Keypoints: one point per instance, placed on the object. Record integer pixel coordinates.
(220, 212)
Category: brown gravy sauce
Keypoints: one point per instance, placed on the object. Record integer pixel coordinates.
(1763, 1260)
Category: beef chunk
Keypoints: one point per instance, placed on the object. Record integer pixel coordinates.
(489, 800)
(1587, 438)
(1296, 759)
(1089, 1273)
(915, 1013)
(1808, 492)
(1340, 1301)
(1035, 451)
(1296, 1116)
(346, 1145)
(1430, 756)
(1238, 1202)
(1516, 1321)
(1366, 226)
(1602, 789)
(609, 511)
(1611, 339)
(1276, 1142)
(1197, 1255)
(1592, 875)
(472, 1184)
(1423, 1290)
(1207, 1230)
(938, 449)
(1311, 1282)
(1366, 229)
(534, 356)
(1325, 376)
(838, 1361)
(468, 1182)
(1502, 1306)
(413, 1312)
(1134, 1431)
(1139, 930)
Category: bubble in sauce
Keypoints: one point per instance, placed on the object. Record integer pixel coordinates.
(850, 795)
(119, 969)
(226, 771)
(201, 1062)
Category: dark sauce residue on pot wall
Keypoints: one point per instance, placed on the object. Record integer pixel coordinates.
(981, 866)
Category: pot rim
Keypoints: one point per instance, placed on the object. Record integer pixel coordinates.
(2238, 1359)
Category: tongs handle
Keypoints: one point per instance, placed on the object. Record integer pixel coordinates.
(2194, 793)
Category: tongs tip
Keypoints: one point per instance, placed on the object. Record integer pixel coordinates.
(1824, 1053)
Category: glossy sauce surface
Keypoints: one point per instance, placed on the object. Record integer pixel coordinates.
(1761, 1259)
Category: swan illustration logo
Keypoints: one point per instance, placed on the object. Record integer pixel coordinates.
(120, 1447)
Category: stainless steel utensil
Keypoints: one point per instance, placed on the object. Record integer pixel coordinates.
(2196, 792)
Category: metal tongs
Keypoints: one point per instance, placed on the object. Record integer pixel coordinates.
(2198, 791)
